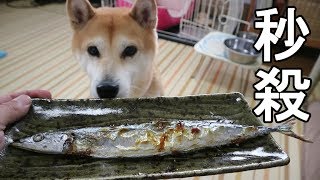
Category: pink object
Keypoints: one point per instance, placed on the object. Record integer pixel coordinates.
(169, 12)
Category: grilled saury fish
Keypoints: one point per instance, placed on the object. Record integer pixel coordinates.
(147, 139)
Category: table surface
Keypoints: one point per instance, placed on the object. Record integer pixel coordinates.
(213, 45)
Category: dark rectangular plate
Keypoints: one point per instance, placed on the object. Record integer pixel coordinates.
(51, 115)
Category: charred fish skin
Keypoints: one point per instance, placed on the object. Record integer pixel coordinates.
(148, 139)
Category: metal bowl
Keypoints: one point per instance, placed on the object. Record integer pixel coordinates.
(248, 35)
(241, 50)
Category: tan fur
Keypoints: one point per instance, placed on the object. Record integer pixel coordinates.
(116, 27)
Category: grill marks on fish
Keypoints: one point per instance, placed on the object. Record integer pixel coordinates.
(163, 139)
(70, 147)
(179, 131)
(195, 131)
(238, 140)
(123, 131)
(180, 126)
(160, 125)
(147, 139)
(167, 132)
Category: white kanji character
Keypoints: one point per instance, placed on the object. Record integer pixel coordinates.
(294, 46)
(297, 79)
(291, 51)
(267, 78)
(267, 104)
(290, 30)
(266, 36)
(293, 109)
(281, 26)
(303, 26)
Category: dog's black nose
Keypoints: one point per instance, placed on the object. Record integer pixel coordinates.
(107, 90)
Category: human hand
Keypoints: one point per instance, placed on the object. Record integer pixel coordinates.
(16, 105)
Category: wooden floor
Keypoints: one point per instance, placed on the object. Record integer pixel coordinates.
(39, 57)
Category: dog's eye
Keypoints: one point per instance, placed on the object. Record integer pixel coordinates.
(93, 51)
(129, 51)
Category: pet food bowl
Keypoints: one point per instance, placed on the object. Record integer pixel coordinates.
(241, 50)
(248, 35)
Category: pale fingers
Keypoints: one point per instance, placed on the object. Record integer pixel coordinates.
(13, 110)
(32, 93)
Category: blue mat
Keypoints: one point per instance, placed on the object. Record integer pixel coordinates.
(2, 54)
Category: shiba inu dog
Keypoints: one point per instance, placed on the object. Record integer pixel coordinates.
(117, 48)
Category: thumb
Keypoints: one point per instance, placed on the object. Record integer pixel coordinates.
(14, 110)
(2, 141)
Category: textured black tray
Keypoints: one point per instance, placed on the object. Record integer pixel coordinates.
(261, 152)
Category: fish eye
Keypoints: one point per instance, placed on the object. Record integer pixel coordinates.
(129, 51)
(38, 137)
(93, 51)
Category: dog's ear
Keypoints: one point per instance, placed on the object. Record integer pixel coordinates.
(145, 13)
(80, 12)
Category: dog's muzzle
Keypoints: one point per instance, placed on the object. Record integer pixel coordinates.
(107, 89)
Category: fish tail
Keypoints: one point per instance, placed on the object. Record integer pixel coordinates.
(286, 128)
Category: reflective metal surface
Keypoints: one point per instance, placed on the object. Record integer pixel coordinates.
(241, 50)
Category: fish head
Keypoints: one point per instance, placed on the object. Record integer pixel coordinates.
(52, 143)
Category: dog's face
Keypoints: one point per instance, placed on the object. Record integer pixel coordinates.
(116, 46)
